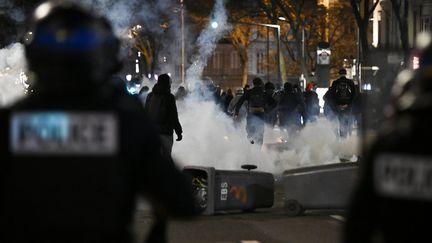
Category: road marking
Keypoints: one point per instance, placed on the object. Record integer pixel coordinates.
(249, 241)
(338, 217)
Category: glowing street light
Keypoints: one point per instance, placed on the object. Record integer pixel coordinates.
(214, 25)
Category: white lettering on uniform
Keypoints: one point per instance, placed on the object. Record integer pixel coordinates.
(403, 176)
(64, 133)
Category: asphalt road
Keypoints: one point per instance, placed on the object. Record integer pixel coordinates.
(270, 225)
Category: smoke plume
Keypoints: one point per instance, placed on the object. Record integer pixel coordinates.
(207, 41)
(12, 77)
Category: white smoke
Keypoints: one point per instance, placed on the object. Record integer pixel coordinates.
(126, 13)
(207, 42)
(12, 77)
(8, 8)
(211, 138)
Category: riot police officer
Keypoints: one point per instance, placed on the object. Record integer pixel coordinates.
(78, 151)
(393, 201)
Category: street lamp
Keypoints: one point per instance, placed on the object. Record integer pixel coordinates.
(303, 44)
(182, 72)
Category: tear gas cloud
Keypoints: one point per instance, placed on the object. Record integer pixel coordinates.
(124, 14)
(211, 138)
(12, 77)
(207, 41)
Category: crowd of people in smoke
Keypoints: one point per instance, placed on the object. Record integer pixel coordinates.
(287, 106)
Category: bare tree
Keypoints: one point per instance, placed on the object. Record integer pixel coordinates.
(292, 12)
(400, 8)
(240, 39)
(362, 15)
(341, 34)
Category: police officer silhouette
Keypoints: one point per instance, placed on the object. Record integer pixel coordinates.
(393, 201)
(78, 151)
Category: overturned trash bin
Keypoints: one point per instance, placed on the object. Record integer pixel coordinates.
(226, 190)
(319, 187)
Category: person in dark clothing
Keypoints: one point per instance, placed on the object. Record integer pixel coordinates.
(143, 93)
(269, 88)
(356, 107)
(218, 95)
(259, 103)
(392, 200)
(339, 101)
(301, 110)
(246, 88)
(289, 107)
(271, 115)
(312, 109)
(231, 107)
(181, 93)
(78, 150)
(227, 100)
(161, 107)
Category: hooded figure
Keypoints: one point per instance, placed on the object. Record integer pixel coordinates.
(290, 107)
(161, 107)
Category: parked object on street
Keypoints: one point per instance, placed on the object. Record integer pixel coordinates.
(319, 187)
(230, 190)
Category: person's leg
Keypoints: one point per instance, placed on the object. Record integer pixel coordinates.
(344, 124)
(250, 127)
(157, 233)
(167, 144)
(259, 128)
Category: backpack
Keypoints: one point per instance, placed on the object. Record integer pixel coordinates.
(343, 92)
(256, 101)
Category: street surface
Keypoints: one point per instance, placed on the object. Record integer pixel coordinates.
(264, 226)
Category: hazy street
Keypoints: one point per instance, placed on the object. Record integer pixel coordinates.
(264, 226)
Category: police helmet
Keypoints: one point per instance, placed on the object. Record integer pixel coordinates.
(412, 89)
(69, 42)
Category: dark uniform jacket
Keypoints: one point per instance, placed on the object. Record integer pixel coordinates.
(79, 184)
(393, 201)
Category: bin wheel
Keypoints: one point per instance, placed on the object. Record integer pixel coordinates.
(249, 210)
(293, 208)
